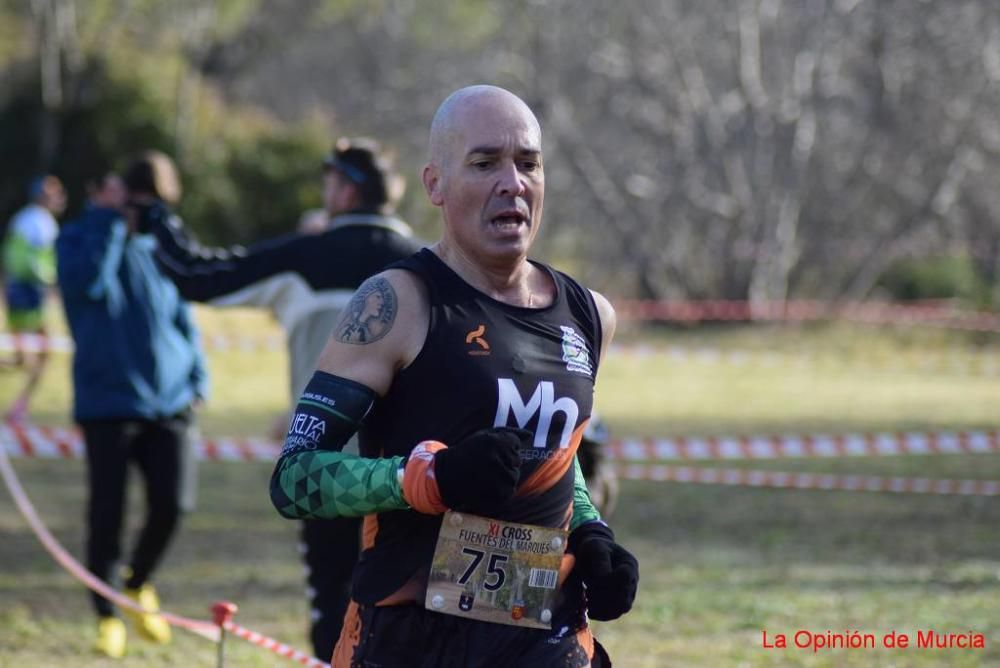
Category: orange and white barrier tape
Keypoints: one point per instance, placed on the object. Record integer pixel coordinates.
(30, 440)
(273, 646)
(934, 314)
(786, 480)
(815, 445)
(956, 361)
(27, 440)
(35, 343)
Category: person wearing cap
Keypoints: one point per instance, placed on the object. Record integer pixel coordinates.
(305, 279)
(29, 267)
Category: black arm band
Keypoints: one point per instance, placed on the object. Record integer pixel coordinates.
(329, 412)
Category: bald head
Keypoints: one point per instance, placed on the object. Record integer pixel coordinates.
(452, 118)
(485, 173)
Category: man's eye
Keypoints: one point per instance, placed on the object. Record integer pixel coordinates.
(482, 164)
(529, 165)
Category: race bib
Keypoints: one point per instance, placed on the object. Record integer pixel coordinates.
(501, 572)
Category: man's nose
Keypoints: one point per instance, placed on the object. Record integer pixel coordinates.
(509, 181)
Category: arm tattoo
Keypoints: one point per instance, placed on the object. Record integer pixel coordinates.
(370, 314)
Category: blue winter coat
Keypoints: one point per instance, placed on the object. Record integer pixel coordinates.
(138, 353)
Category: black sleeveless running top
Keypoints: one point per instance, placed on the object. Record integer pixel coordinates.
(484, 364)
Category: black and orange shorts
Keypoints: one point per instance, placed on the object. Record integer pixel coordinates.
(410, 636)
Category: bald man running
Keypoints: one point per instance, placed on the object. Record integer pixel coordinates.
(468, 371)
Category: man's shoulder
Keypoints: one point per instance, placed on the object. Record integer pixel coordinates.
(32, 220)
(400, 277)
(368, 245)
(559, 276)
(359, 222)
(88, 217)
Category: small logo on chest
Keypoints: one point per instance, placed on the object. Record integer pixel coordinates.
(478, 345)
(575, 353)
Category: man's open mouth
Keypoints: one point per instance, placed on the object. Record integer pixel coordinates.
(508, 219)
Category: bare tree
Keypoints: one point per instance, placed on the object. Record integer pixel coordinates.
(742, 149)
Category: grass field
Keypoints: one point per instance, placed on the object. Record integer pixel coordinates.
(720, 566)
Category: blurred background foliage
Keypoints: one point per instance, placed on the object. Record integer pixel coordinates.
(738, 149)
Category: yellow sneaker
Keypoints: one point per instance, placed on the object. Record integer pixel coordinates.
(149, 625)
(110, 637)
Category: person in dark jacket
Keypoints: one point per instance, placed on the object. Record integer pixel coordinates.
(305, 280)
(137, 371)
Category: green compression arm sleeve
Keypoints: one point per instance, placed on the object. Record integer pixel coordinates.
(322, 484)
(583, 508)
(313, 479)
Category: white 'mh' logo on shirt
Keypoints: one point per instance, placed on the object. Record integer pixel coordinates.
(543, 402)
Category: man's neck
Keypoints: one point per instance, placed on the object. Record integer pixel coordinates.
(516, 282)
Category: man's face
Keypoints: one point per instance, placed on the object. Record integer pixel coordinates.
(53, 196)
(111, 194)
(490, 183)
(339, 194)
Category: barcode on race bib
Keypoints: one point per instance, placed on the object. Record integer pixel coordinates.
(543, 578)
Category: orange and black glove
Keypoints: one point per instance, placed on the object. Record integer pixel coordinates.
(477, 475)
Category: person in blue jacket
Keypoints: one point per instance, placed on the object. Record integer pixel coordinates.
(138, 371)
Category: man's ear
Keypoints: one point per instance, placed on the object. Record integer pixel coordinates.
(432, 184)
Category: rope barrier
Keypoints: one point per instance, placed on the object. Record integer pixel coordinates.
(35, 343)
(43, 442)
(202, 628)
(222, 611)
(36, 441)
(935, 314)
(29, 440)
(956, 362)
(805, 446)
(273, 646)
(786, 480)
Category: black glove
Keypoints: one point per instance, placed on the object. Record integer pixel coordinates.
(610, 571)
(479, 474)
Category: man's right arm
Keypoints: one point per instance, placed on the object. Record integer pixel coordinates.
(203, 273)
(376, 337)
(313, 478)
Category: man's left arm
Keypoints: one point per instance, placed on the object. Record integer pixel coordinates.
(584, 510)
(609, 571)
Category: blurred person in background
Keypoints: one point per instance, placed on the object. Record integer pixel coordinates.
(138, 372)
(305, 280)
(313, 221)
(602, 482)
(29, 269)
(471, 388)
